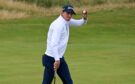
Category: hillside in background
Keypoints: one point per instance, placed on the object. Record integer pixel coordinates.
(12, 9)
(50, 3)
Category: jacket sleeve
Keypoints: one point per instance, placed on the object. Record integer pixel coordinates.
(74, 22)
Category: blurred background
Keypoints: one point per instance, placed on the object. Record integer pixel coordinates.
(25, 8)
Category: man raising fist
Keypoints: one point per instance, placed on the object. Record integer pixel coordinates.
(57, 39)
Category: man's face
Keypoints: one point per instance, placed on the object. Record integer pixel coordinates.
(67, 15)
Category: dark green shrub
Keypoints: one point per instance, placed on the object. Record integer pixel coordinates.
(44, 3)
(131, 0)
(98, 2)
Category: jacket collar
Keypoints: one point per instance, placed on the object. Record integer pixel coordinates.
(63, 20)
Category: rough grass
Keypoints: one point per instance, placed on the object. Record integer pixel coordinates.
(12, 15)
(15, 10)
(21, 8)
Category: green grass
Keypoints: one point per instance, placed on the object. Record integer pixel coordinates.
(101, 52)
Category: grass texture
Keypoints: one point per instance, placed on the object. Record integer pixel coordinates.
(101, 52)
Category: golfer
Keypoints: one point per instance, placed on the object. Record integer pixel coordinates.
(57, 39)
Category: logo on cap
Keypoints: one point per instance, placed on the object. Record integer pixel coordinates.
(70, 8)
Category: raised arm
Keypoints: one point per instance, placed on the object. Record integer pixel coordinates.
(74, 22)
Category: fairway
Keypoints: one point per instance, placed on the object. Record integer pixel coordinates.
(101, 52)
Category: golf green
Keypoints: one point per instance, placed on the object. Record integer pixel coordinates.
(100, 52)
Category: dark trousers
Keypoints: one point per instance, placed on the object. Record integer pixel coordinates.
(63, 71)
